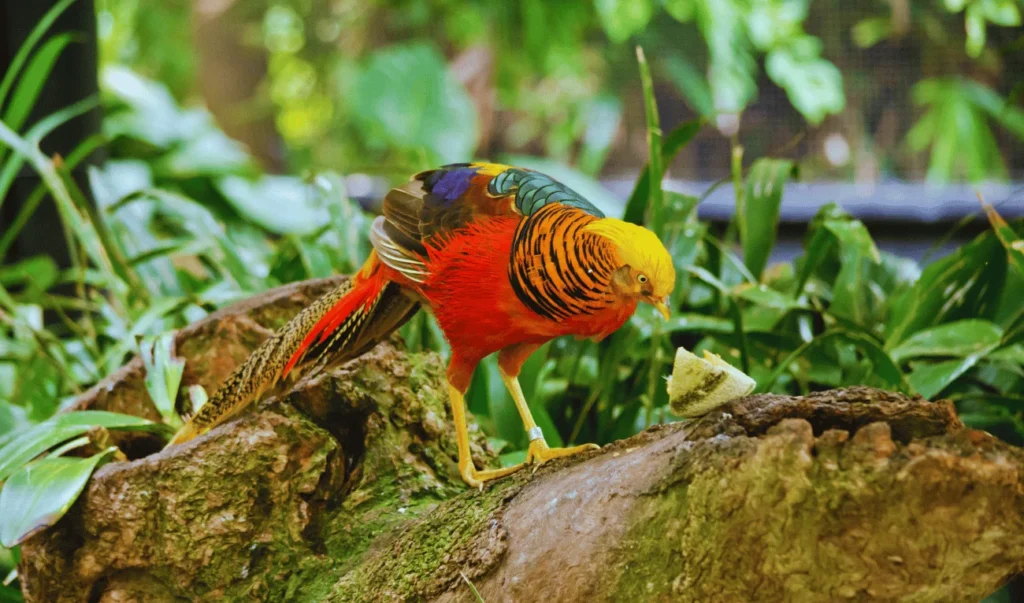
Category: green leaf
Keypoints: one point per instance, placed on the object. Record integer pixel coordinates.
(150, 113)
(163, 374)
(960, 338)
(40, 385)
(279, 204)
(1008, 237)
(37, 33)
(852, 292)
(965, 284)
(676, 140)
(1015, 331)
(539, 385)
(681, 10)
(954, 125)
(815, 252)
(31, 443)
(759, 221)
(406, 97)
(38, 495)
(35, 275)
(690, 82)
(974, 23)
(732, 65)
(655, 164)
(13, 420)
(9, 594)
(705, 276)
(814, 85)
(700, 323)
(868, 32)
(767, 297)
(929, 379)
(1004, 13)
(35, 77)
(623, 18)
(132, 223)
(1013, 354)
(884, 365)
(490, 398)
(683, 236)
(211, 153)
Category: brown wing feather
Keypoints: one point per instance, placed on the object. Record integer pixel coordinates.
(402, 212)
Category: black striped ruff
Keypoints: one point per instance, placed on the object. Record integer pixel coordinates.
(558, 270)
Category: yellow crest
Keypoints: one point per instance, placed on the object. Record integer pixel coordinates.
(641, 249)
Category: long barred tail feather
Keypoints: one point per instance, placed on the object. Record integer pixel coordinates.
(343, 324)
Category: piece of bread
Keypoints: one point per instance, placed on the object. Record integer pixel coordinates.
(700, 385)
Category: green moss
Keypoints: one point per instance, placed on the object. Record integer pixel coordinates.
(652, 554)
(426, 558)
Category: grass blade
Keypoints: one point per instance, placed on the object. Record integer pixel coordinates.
(1014, 245)
(31, 85)
(762, 199)
(12, 167)
(656, 169)
(72, 218)
(33, 38)
(82, 151)
(676, 140)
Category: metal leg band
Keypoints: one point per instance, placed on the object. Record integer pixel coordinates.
(535, 433)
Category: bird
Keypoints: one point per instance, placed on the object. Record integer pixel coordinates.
(506, 258)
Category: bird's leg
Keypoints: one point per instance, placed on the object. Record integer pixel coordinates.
(470, 474)
(509, 362)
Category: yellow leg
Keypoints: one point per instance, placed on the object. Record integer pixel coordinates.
(470, 474)
(538, 451)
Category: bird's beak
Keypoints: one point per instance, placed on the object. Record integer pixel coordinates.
(662, 307)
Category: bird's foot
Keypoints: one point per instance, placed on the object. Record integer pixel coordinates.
(476, 478)
(539, 453)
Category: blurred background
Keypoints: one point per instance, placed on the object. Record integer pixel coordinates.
(888, 106)
(823, 158)
(858, 91)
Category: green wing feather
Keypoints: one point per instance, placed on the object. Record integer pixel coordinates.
(534, 190)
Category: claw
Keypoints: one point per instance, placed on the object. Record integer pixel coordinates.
(476, 478)
(539, 453)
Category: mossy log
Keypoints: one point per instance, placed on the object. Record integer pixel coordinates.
(345, 488)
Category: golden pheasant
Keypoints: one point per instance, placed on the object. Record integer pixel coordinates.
(506, 259)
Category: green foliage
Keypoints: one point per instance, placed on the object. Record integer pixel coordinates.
(552, 78)
(955, 128)
(21, 447)
(757, 210)
(408, 99)
(163, 375)
(735, 30)
(978, 14)
(622, 19)
(36, 496)
(36, 493)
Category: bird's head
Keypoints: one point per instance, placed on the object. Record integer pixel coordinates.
(645, 271)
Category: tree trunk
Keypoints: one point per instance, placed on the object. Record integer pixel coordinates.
(345, 488)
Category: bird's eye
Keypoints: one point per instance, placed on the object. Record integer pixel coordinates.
(642, 278)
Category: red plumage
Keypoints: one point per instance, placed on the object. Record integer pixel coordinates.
(505, 258)
(365, 291)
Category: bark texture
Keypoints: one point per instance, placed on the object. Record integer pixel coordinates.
(345, 488)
